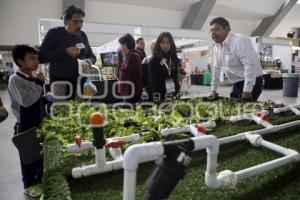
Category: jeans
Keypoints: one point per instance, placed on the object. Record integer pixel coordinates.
(237, 89)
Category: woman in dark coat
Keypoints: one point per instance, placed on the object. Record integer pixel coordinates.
(131, 70)
(164, 68)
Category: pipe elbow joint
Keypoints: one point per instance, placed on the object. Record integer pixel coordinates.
(228, 178)
(212, 181)
(254, 139)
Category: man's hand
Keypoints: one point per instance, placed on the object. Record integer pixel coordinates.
(246, 96)
(212, 95)
(41, 76)
(73, 51)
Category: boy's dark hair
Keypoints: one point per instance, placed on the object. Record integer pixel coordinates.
(139, 39)
(70, 11)
(19, 52)
(221, 21)
(128, 40)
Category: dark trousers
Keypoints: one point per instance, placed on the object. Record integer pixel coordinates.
(32, 174)
(237, 89)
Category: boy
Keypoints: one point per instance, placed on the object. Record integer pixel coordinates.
(26, 91)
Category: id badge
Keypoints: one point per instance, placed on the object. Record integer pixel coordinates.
(170, 86)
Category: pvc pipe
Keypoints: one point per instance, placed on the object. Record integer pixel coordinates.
(235, 119)
(74, 148)
(245, 173)
(89, 170)
(262, 122)
(274, 128)
(100, 157)
(187, 128)
(130, 138)
(194, 131)
(288, 108)
(234, 138)
(254, 139)
(278, 149)
(295, 110)
(280, 110)
(132, 157)
(172, 131)
(251, 117)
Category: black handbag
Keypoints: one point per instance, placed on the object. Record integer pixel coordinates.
(29, 146)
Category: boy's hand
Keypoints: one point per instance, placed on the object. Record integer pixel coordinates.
(73, 51)
(41, 76)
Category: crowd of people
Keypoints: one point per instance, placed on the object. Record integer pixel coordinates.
(158, 74)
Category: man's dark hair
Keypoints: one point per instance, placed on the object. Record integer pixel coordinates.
(128, 40)
(139, 39)
(221, 21)
(19, 52)
(70, 11)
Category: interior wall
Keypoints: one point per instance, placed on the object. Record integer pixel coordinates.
(18, 22)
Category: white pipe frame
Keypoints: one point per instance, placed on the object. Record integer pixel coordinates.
(134, 154)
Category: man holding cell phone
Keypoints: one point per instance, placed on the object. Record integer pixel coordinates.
(61, 47)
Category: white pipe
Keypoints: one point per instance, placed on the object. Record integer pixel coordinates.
(280, 110)
(171, 131)
(262, 122)
(254, 139)
(130, 138)
(194, 131)
(288, 108)
(274, 128)
(240, 118)
(279, 149)
(295, 110)
(100, 157)
(74, 148)
(89, 170)
(132, 157)
(245, 173)
(187, 128)
(251, 117)
(234, 138)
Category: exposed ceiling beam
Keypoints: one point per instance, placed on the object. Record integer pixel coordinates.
(120, 29)
(268, 24)
(198, 14)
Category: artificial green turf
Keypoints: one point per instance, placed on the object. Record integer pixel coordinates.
(281, 183)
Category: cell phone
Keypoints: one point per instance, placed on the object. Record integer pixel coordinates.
(80, 45)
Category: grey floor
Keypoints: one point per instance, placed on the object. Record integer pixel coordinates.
(10, 177)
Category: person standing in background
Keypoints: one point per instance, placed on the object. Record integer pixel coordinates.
(62, 46)
(145, 63)
(140, 48)
(164, 68)
(130, 70)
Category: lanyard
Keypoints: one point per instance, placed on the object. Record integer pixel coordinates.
(166, 65)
